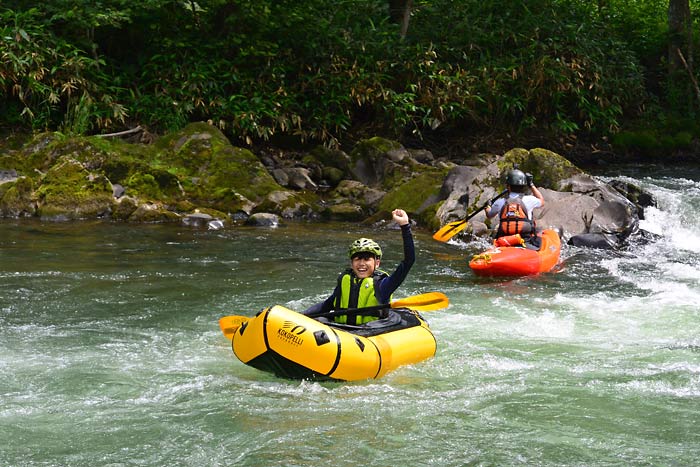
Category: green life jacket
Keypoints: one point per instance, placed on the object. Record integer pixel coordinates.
(357, 293)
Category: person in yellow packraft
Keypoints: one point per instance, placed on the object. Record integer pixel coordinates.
(364, 284)
(516, 225)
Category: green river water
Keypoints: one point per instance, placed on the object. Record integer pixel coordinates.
(111, 354)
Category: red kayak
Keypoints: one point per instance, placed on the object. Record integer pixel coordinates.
(519, 260)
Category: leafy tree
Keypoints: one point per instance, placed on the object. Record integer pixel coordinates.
(680, 47)
(47, 79)
(321, 69)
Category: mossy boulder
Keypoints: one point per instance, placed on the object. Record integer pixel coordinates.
(331, 158)
(192, 147)
(241, 170)
(412, 195)
(68, 191)
(38, 153)
(197, 164)
(126, 164)
(332, 176)
(94, 153)
(154, 184)
(12, 161)
(345, 212)
(212, 171)
(357, 193)
(16, 198)
(153, 212)
(382, 163)
(288, 204)
(124, 207)
(548, 168)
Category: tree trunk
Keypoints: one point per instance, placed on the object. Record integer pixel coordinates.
(400, 12)
(680, 34)
(680, 53)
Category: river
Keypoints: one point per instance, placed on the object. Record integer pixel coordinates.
(111, 354)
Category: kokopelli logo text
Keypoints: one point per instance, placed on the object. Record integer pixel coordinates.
(290, 332)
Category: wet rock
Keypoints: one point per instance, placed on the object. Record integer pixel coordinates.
(595, 240)
(215, 224)
(422, 155)
(118, 191)
(16, 198)
(298, 178)
(124, 207)
(357, 193)
(8, 175)
(197, 219)
(288, 204)
(152, 212)
(346, 212)
(263, 219)
(634, 194)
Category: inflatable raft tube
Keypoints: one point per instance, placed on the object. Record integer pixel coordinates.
(292, 345)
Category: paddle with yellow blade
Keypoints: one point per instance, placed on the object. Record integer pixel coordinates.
(453, 228)
(424, 302)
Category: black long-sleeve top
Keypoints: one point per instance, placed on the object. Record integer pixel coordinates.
(384, 286)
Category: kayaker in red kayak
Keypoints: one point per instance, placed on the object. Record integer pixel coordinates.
(515, 210)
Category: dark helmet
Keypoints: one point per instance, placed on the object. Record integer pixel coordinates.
(365, 245)
(516, 178)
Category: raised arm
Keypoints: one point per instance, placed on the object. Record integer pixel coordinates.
(536, 193)
(391, 283)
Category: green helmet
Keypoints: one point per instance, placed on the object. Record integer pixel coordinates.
(516, 178)
(363, 245)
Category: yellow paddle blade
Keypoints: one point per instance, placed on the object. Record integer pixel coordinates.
(449, 230)
(455, 227)
(423, 302)
(230, 324)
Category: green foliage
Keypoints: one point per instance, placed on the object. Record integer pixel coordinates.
(644, 25)
(47, 81)
(317, 69)
(651, 143)
(543, 64)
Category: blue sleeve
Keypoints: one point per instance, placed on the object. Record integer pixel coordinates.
(388, 285)
(496, 207)
(324, 306)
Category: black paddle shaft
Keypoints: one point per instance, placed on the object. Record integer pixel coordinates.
(352, 311)
(491, 201)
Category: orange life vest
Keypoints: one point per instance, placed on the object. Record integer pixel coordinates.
(513, 219)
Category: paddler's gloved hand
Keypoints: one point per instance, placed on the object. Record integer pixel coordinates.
(529, 178)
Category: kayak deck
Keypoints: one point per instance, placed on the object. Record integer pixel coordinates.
(517, 260)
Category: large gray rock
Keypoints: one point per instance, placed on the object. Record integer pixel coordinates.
(582, 207)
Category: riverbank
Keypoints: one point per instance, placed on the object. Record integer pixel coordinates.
(588, 154)
(198, 177)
